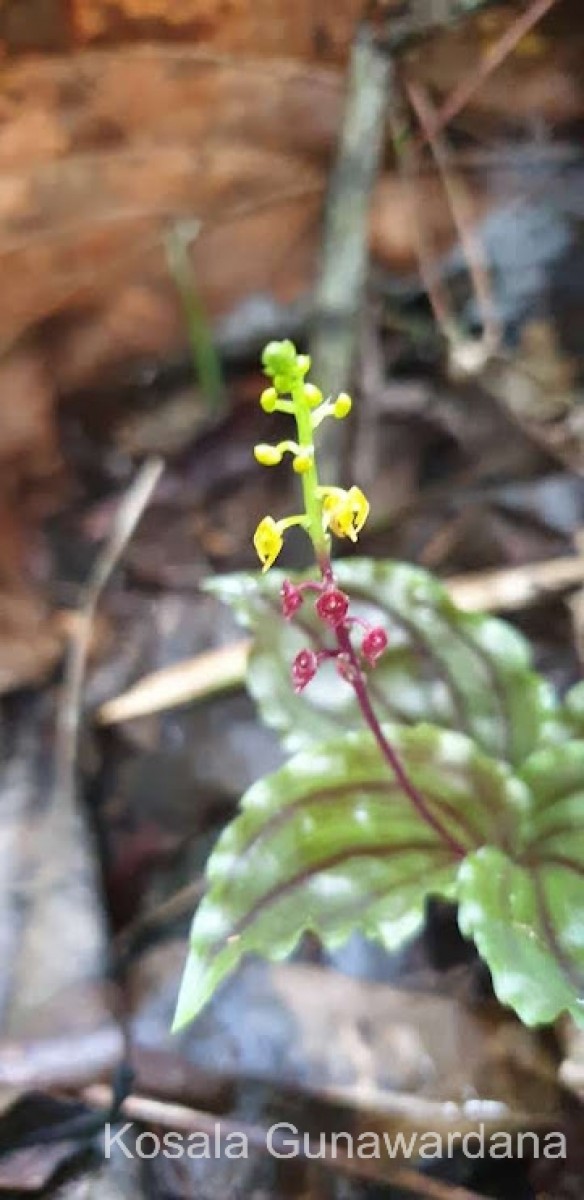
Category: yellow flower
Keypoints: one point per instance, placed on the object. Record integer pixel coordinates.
(345, 513)
(268, 456)
(268, 542)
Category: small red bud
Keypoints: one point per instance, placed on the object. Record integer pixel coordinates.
(373, 645)
(304, 669)
(291, 597)
(332, 606)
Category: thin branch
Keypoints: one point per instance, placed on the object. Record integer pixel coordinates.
(495, 56)
(180, 1119)
(129, 513)
(63, 897)
(127, 517)
(177, 905)
(461, 217)
(409, 164)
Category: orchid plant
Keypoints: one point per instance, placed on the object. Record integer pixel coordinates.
(429, 759)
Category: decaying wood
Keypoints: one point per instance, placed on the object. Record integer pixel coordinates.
(339, 292)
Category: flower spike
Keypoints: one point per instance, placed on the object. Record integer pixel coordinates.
(326, 509)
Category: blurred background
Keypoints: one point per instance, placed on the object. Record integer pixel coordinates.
(399, 187)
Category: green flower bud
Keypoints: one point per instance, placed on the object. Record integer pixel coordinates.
(312, 394)
(279, 361)
(269, 400)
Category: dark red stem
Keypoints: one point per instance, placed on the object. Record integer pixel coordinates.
(359, 685)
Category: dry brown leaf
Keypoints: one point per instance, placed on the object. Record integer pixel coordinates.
(100, 150)
(30, 643)
(101, 153)
(244, 26)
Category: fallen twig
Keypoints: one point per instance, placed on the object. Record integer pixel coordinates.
(462, 219)
(125, 522)
(502, 48)
(200, 677)
(408, 157)
(180, 903)
(512, 588)
(63, 899)
(180, 1119)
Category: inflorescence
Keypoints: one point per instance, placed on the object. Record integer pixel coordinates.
(327, 510)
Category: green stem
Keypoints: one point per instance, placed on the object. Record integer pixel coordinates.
(310, 484)
(206, 361)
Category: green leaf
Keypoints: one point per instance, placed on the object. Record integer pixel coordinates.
(553, 822)
(527, 918)
(566, 720)
(329, 843)
(573, 710)
(527, 925)
(459, 670)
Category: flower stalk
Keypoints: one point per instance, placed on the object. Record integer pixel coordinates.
(309, 478)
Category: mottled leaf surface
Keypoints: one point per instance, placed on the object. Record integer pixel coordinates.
(527, 916)
(459, 670)
(573, 710)
(329, 843)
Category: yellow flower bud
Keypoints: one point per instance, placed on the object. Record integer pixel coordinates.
(312, 395)
(269, 400)
(268, 456)
(302, 462)
(268, 542)
(342, 406)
